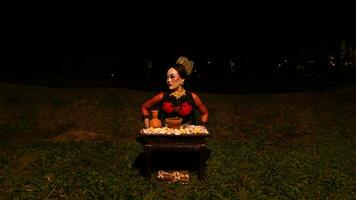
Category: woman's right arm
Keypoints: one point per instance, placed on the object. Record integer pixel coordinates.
(145, 108)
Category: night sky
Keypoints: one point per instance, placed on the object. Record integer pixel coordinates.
(77, 38)
(235, 28)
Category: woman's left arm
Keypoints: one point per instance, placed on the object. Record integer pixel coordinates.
(201, 107)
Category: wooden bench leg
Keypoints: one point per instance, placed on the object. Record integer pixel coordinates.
(148, 161)
(202, 166)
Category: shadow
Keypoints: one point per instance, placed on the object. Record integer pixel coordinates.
(171, 160)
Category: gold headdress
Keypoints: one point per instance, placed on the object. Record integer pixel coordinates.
(188, 64)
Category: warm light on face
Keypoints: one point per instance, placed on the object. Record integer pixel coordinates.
(173, 79)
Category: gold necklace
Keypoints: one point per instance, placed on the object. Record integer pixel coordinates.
(177, 94)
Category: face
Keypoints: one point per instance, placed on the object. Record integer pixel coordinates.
(174, 81)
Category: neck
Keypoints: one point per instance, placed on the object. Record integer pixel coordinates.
(180, 89)
(178, 92)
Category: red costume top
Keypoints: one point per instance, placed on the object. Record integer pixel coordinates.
(182, 107)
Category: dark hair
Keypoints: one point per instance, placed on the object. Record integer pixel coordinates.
(180, 69)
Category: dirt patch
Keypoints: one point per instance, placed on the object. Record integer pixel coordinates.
(25, 163)
(80, 136)
(26, 160)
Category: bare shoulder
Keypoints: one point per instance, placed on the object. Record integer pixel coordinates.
(158, 95)
(194, 95)
(153, 100)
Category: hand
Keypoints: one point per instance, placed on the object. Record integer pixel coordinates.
(201, 123)
(146, 122)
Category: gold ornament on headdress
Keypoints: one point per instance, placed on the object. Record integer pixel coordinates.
(188, 64)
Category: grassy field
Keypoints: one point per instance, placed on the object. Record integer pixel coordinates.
(79, 143)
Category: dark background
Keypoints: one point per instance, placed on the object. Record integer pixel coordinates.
(114, 42)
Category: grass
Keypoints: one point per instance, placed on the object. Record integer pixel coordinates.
(276, 146)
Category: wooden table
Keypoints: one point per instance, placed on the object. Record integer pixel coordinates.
(180, 143)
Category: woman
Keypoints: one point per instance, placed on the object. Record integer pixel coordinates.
(177, 102)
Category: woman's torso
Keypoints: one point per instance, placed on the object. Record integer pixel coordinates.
(182, 107)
